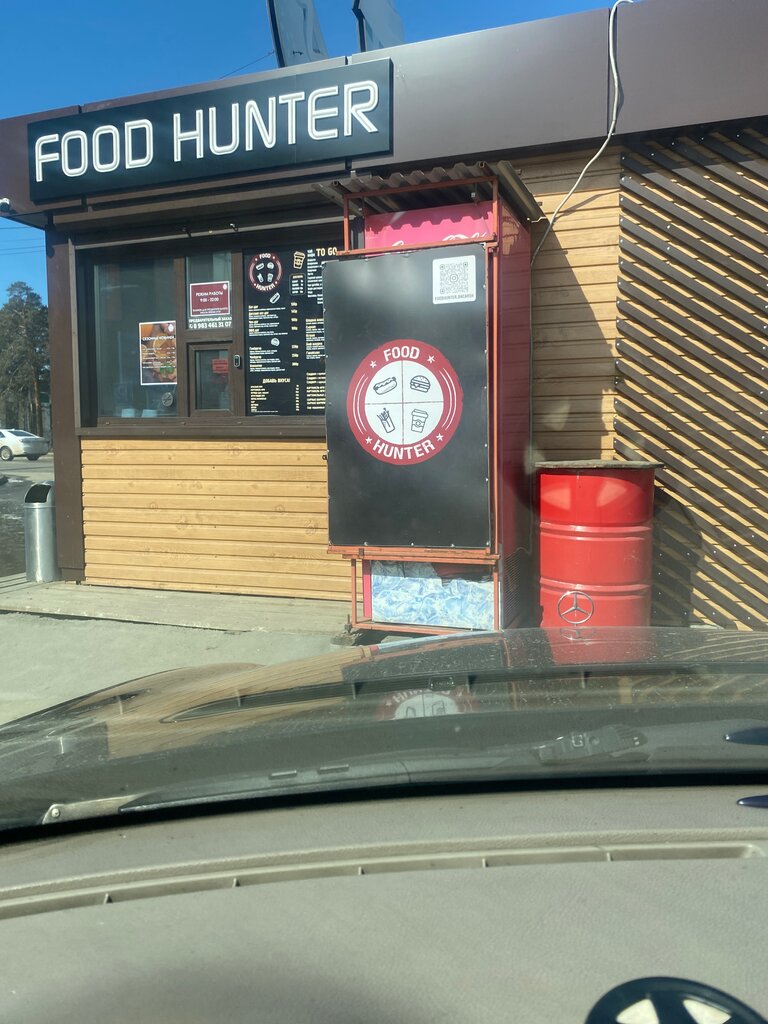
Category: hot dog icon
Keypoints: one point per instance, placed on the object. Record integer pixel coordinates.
(420, 383)
(385, 386)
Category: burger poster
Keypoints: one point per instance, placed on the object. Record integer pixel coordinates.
(157, 352)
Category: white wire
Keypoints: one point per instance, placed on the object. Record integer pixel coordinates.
(611, 130)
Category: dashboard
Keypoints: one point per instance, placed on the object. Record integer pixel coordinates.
(524, 906)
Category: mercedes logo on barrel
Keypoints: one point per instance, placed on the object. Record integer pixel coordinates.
(575, 607)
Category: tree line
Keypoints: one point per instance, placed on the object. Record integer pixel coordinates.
(24, 359)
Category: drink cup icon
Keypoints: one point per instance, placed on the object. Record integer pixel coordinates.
(298, 260)
(419, 419)
(386, 421)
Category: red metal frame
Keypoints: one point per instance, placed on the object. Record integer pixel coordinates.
(409, 554)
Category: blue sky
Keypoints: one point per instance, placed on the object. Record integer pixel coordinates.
(55, 53)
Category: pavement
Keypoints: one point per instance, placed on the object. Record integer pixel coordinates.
(60, 640)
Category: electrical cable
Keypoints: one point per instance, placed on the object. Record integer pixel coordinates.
(250, 65)
(611, 130)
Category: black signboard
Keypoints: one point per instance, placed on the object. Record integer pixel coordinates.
(284, 121)
(407, 402)
(285, 333)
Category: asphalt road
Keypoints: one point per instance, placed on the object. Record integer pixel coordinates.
(21, 475)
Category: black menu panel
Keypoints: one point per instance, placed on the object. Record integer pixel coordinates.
(407, 406)
(284, 328)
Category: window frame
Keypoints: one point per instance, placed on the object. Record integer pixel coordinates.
(189, 422)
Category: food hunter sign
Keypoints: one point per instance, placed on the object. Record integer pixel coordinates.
(286, 121)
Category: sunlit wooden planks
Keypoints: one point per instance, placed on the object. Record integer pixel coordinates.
(574, 291)
(230, 517)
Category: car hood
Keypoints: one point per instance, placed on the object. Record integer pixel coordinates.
(193, 720)
(531, 667)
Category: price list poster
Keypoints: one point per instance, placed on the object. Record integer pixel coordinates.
(285, 330)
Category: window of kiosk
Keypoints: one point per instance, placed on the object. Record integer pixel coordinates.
(209, 291)
(135, 339)
(210, 383)
(157, 333)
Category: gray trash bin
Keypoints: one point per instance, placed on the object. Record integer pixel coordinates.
(40, 533)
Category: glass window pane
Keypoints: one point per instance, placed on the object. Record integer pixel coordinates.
(135, 365)
(212, 378)
(209, 290)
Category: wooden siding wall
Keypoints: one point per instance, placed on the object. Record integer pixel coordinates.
(574, 306)
(246, 517)
(693, 374)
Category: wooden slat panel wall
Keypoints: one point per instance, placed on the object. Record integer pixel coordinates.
(246, 517)
(574, 306)
(692, 373)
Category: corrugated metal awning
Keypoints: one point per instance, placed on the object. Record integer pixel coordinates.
(511, 188)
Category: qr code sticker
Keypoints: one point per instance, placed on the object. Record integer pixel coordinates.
(453, 280)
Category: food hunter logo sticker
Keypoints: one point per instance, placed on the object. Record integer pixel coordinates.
(265, 271)
(404, 402)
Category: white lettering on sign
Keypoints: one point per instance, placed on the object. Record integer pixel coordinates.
(314, 115)
(406, 453)
(100, 165)
(105, 156)
(254, 116)
(234, 141)
(358, 110)
(231, 123)
(193, 135)
(80, 139)
(291, 100)
(44, 158)
(144, 126)
(402, 352)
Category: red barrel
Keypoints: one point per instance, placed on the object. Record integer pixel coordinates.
(596, 543)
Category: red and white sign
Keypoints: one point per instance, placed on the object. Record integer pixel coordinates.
(219, 366)
(265, 271)
(404, 402)
(209, 298)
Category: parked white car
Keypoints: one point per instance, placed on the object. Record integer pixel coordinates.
(21, 442)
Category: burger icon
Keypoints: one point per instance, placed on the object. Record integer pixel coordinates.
(420, 383)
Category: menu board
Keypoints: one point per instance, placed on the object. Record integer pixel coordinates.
(285, 333)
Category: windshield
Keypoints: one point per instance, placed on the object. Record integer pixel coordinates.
(379, 418)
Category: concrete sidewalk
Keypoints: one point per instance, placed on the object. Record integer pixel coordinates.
(231, 612)
(61, 640)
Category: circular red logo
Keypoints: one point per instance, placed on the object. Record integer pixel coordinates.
(265, 271)
(404, 402)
